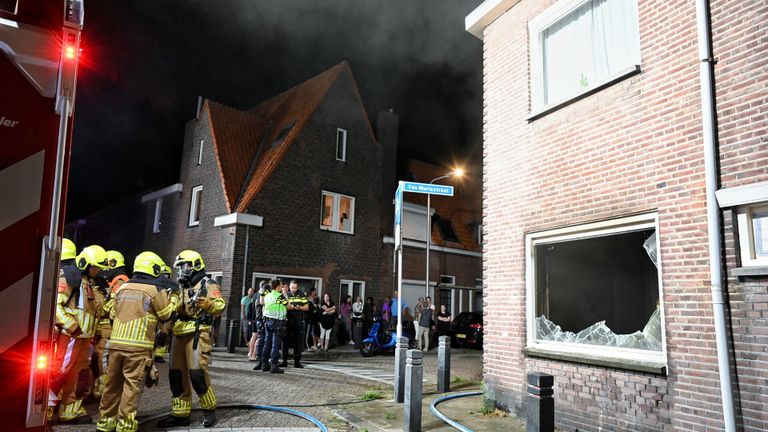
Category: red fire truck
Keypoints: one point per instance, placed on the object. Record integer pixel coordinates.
(39, 50)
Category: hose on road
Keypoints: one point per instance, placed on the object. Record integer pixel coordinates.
(441, 416)
(279, 409)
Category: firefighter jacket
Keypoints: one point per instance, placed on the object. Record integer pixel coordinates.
(77, 305)
(139, 305)
(188, 313)
(115, 282)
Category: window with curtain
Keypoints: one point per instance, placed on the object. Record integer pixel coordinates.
(578, 45)
(337, 213)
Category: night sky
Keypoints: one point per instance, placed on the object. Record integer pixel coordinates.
(144, 63)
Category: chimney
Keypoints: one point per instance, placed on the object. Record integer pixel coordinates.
(386, 133)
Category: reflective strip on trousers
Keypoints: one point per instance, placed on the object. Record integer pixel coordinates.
(180, 407)
(208, 399)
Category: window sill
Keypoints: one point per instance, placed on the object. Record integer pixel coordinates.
(750, 271)
(543, 111)
(649, 366)
(336, 231)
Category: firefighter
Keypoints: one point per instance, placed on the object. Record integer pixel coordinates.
(115, 276)
(77, 306)
(297, 305)
(68, 252)
(200, 301)
(161, 339)
(139, 305)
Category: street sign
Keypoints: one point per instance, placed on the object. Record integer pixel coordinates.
(426, 188)
(398, 214)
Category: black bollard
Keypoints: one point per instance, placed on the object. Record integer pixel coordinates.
(234, 335)
(541, 405)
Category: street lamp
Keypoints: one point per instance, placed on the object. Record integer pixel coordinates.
(457, 172)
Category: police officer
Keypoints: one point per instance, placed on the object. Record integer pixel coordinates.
(274, 326)
(139, 305)
(77, 306)
(199, 303)
(114, 276)
(298, 304)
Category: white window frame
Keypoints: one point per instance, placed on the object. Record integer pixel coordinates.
(158, 215)
(596, 229)
(335, 212)
(343, 143)
(194, 204)
(452, 279)
(200, 153)
(744, 217)
(349, 289)
(286, 279)
(536, 27)
(479, 234)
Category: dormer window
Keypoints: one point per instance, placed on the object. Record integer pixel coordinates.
(446, 228)
(341, 145)
(283, 133)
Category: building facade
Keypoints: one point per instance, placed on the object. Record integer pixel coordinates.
(597, 263)
(290, 188)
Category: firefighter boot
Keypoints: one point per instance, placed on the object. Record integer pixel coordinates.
(209, 418)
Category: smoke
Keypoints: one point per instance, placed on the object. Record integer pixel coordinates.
(147, 61)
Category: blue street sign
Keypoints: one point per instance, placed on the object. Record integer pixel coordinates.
(426, 188)
(398, 203)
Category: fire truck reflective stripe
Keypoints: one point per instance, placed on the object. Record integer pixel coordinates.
(16, 297)
(21, 184)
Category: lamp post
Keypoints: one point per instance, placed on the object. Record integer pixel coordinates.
(458, 172)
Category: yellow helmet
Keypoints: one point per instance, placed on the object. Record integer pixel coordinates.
(92, 255)
(115, 259)
(166, 270)
(189, 256)
(148, 263)
(68, 249)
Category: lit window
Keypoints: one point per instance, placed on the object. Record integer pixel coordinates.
(200, 153)
(581, 45)
(158, 213)
(194, 206)
(595, 289)
(341, 144)
(753, 234)
(337, 213)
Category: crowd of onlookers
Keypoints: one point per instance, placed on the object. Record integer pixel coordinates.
(329, 324)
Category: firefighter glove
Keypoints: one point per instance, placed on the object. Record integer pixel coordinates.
(204, 303)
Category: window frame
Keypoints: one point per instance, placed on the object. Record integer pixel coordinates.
(343, 144)
(200, 152)
(194, 205)
(744, 217)
(586, 351)
(451, 277)
(335, 212)
(351, 287)
(536, 27)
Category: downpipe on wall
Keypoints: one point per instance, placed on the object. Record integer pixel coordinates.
(708, 115)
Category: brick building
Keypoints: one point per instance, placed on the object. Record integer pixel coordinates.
(456, 258)
(597, 181)
(289, 188)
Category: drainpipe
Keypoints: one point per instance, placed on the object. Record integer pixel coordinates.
(245, 258)
(708, 114)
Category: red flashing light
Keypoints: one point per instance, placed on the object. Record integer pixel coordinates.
(42, 362)
(476, 326)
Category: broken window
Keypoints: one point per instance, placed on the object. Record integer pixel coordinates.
(599, 289)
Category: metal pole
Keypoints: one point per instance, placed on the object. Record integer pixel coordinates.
(53, 230)
(429, 240)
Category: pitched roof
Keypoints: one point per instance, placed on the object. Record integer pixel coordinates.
(244, 139)
(462, 209)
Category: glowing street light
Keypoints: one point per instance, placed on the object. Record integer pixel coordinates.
(458, 173)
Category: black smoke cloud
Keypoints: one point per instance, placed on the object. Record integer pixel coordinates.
(145, 62)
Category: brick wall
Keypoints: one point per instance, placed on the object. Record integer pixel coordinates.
(466, 268)
(632, 147)
(291, 241)
(213, 243)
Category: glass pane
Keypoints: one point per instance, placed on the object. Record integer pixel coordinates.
(197, 202)
(597, 40)
(357, 290)
(345, 214)
(760, 230)
(598, 291)
(341, 143)
(327, 216)
(8, 6)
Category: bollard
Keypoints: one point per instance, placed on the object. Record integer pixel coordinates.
(234, 335)
(541, 405)
(400, 349)
(414, 374)
(444, 365)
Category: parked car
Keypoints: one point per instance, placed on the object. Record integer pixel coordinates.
(467, 330)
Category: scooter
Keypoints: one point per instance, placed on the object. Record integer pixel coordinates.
(380, 339)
